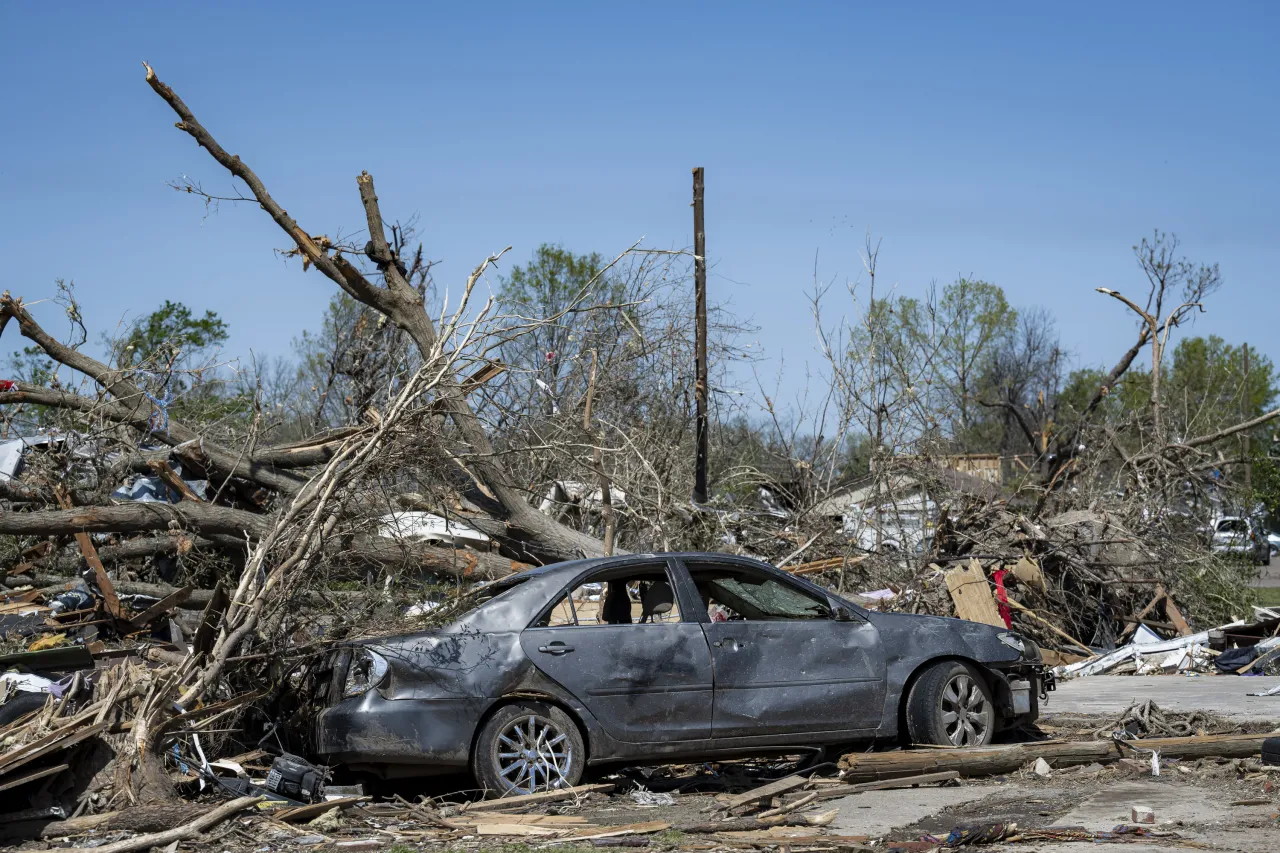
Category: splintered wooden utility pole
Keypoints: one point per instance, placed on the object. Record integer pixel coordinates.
(700, 345)
(1245, 415)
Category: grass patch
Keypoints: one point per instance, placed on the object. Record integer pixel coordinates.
(1268, 596)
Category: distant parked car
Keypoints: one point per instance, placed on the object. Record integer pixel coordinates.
(1236, 534)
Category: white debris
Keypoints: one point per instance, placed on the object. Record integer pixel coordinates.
(647, 799)
(1042, 768)
(1139, 652)
(1143, 814)
(416, 526)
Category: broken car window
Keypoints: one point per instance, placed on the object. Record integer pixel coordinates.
(622, 600)
(733, 595)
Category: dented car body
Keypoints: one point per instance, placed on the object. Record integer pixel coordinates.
(686, 656)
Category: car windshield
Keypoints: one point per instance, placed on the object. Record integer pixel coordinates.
(1233, 525)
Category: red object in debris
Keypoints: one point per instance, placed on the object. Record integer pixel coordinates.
(8, 385)
(1002, 598)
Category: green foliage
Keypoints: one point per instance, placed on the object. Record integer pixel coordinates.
(553, 280)
(31, 365)
(169, 335)
(1267, 596)
(1218, 590)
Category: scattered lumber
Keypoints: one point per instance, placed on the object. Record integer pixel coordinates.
(888, 784)
(537, 799)
(764, 792)
(298, 814)
(630, 829)
(993, 760)
(206, 821)
(828, 565)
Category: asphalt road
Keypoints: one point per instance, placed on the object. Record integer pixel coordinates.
(1225, 695)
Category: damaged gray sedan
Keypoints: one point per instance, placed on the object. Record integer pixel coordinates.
(529, 680)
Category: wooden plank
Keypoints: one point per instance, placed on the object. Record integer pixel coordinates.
(1052, 658)
(541, 797)
(31, 777)
(170, 601)
(561, 820)
(1175, 616)
(630, 829)
(295, 814)
(520, 829)
(1028, 571)
(1143, 613)
(109, 598)
(889, 784)
(764, 792)
(972, 595)
(207, 631)
(171, 479)
(53, 743)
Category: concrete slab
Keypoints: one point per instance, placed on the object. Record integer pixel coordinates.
(1172, 802)
(1225, 695)
(876, 813)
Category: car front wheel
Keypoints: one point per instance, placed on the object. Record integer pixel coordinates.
(950, 705)
(528, 747)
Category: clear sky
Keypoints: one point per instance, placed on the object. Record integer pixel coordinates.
(1028, 144)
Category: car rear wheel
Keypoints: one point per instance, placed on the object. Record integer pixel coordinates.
(950, 705)
(528, 747)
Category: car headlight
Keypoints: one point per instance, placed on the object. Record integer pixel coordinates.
(367, 671)
(1013, 641)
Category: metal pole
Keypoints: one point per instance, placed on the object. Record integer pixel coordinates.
(700, 345)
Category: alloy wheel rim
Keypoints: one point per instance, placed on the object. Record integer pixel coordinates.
(966, 713)
(534, 755)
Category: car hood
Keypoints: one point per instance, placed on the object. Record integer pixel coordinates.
(946, 635)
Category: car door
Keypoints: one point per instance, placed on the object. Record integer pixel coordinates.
(644, 681)
(784, 660)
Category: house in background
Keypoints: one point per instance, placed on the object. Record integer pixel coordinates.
(898, 511)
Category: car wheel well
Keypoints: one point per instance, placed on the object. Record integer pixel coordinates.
(915, 676)
(530, 696)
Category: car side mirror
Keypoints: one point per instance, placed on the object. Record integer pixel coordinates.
(843, 614)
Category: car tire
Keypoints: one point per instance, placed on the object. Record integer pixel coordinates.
(950, 704)
(528, 747)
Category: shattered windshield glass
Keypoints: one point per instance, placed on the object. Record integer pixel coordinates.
(767, 599)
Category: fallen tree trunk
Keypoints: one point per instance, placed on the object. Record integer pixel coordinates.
(993, 760)
(135, 517)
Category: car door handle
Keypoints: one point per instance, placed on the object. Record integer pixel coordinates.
(556, 648)
(730, 642)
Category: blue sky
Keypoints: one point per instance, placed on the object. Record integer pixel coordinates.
(1029, 145)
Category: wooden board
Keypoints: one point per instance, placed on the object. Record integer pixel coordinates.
(773, 789)
(972, 595)
(296, 814)
(31, 777)
(1027, 571)
(532, 799)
